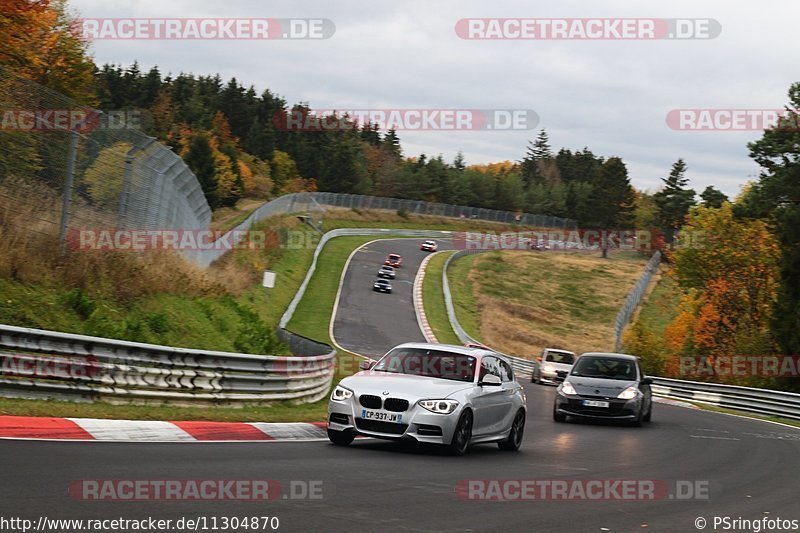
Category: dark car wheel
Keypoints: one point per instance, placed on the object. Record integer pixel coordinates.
(514, 440)
(649, 414)
(462, 435)
(341, 438)
(639, 420)
(558, 417)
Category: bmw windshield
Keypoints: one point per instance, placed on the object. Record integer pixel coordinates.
(428, 363)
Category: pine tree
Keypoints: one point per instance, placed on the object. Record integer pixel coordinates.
(776, 195)
(712, 197)
(612, 197)
(200, 159)
(674, 200)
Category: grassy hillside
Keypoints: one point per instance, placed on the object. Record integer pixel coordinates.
(520, 302)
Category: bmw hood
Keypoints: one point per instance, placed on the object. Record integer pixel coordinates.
(405, 386)
(599, 386)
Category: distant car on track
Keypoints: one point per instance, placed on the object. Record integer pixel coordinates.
(387, 272)
(429, 246)
(432, 393)
(552, 365)
(382, 285)
(394, 260)
(605, 385)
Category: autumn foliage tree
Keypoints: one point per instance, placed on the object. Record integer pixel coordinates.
(41, 41)
(729, 275)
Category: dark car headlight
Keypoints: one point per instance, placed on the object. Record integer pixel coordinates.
(629, 394)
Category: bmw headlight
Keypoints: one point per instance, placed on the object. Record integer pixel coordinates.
(567, 388)
(442, 407)
(628, 394)
(341, 394)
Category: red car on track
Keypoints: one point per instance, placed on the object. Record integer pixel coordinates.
(393, 260)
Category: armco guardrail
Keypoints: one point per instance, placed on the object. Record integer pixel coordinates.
(634, 297)
(758, 401)
(520, 366)
(48, 364)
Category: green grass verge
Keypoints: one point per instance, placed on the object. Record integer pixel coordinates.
(433, 300)
(660, 307)
(462, 292)
(277, 412)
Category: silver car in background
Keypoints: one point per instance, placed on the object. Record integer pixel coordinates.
(431, 393)
(552, 366)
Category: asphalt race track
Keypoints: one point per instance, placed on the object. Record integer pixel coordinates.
(368, 322)
(749, 467)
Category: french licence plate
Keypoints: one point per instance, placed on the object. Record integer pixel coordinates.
(595, 403)
(366, 414)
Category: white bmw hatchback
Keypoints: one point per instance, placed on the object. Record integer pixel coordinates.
(432, 393)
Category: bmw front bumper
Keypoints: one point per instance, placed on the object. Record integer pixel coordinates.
(417, 424)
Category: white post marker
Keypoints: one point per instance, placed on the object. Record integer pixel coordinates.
(269, 279)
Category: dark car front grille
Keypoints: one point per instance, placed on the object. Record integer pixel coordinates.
(397, 405)
(379, 426)
(369, 401)
(615, 408)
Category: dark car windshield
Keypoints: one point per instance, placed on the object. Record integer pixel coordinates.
(605, 367)
(560, 357)
(429, 363)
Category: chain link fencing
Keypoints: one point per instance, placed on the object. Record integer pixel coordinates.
(634, 297)
(419, 207)
(65, 167)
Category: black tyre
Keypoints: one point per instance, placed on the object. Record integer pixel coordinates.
(514, 440)
(558, 417)
(462, 435)
(649, 414)
(341, 438)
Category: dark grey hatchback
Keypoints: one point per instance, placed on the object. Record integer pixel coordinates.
(605, 385)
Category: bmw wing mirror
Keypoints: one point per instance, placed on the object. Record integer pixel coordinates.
(490, 380)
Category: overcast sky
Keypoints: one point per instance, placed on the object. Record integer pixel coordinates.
(612, 96)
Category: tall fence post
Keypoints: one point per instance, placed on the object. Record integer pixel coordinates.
(69, 179)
